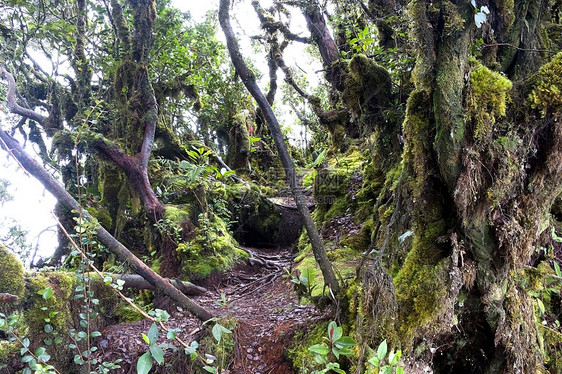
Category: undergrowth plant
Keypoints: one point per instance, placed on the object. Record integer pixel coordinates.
(327, 354)
(387, 364)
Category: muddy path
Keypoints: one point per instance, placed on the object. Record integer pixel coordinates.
(257, 294)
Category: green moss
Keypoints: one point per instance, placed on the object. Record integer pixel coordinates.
(63, 286)
(211, 249)
(547, 91)
(489, 94)
(421, 282)
(367, 81)
(11, 273)
(176, 214)
(7, 352)
(126, 313)
(102, 215)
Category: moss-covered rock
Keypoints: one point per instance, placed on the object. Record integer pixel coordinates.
(11, 273)
(210, 248)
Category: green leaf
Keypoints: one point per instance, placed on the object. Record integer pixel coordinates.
(46, 293)
(346, 351)
(171, 334)
(217, 332)
(345, 341)
(381, 351)
(396, 358)
(399, 370)
(336, 352)
(209, 369)
(26, 359)
(157, 354)
(144, 364)
(320, 349)
(153, 334)
(25, 342)
(334, 332)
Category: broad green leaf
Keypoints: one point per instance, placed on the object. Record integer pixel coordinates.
(381, 351)
(309, 274)
(336, 352)
(346, 351)
(153, 334)
(396, 358)
(399, 370)
(334, 332)
(144, 364)
(345, 341)
(320, 349)
(157, 354)
(46, 293)
(217, 332)
(209, 369)
(375, 361)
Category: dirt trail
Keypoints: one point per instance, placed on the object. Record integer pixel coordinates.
(263, 302)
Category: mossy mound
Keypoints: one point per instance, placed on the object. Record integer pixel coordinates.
(547, 92)
(489, 94)
(368, 85)
(11, 273)
(209, 247)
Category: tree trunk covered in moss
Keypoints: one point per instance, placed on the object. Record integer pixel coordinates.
(481, 171)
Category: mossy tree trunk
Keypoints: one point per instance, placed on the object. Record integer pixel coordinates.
(479, 177)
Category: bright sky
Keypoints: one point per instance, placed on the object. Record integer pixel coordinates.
(32, 205)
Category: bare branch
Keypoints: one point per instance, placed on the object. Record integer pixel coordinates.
(11, 98)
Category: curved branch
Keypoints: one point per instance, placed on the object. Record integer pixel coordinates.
(249, 80)
(11, 99)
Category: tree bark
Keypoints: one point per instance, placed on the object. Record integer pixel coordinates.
(326, 45)
(112, 244)
(249, 80)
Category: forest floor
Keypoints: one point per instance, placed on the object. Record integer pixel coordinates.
(258, 295)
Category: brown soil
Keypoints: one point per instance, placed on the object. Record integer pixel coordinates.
(261, 299)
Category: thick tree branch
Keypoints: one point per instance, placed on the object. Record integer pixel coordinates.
(326, 45)
(249, 80)
(113, 245)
